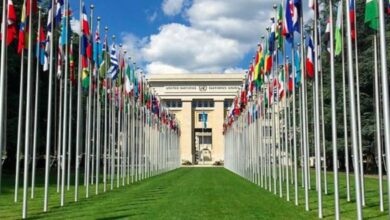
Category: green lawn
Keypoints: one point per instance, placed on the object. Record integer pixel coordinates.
(186, 193)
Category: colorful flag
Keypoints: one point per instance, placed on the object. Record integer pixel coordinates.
(65, 27)
(114, 66)
(272, 36)
(59, 59)
(47, 47)
(298, 71)
(97, 49)
(327, 35)
(288, 25)
(310, 58)
(338, 34)
(352, 18)
(11, 26)
(22, 30)
(128, 83)
(296, 16)
(279, 27)
(72, 76)
(58, 15)
(41, 42)
(371, 15)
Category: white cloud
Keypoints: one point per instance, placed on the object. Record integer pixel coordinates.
(161, 68)
(133, 45)
(191, 49)
(152, 17)
(75, 26)
(172, 7)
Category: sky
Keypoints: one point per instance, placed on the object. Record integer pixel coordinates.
(185, 36)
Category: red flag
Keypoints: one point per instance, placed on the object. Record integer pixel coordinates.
(34, 7)
(11, 27)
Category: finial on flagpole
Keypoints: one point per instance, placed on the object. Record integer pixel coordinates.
(98, 18)
(92, 6)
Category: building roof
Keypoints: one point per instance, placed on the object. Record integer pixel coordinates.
(205, 77)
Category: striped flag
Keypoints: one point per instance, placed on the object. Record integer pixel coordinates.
(48, 36)
(338, 34)
(41, 42)
(58, 15)
(310, 58)
(114, 66)
(296, 16)
(352, 18)
(288, 25)
(22, 30)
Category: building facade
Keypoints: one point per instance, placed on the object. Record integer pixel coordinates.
(200, 103)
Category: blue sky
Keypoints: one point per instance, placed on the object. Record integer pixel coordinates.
(185, 36)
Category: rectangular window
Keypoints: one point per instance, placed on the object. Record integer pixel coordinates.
(173, 103)
(207, 103)
(205, 140)
(228, 103)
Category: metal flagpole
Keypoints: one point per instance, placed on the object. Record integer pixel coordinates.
(294, 126)
(105, 117)
(65, 105)
(317, 115)
(20, 124)
(89, 116)
(334, 125)
(70, 122)
(385, 88)
(354, 136)
(34, 153)
(3, 71)
(79, 125)
(28, 102)
(378, 123)
(98, 106)
(345, 117)
(50, 108)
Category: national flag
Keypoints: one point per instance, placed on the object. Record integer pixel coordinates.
(271, 39)
(279, 27)
(72, 76)
(97, 49)
(371, 14)
(47, 47)
(338, 31)
(298, 71)
(34, 8)
(41, 42)
(11, 23)
(85, 33)
(60, 60)
(114, 66)
(288, 25)
(65, 33)
(310, 58)
(352, 15)
(327, 35)
(388, 7)
(22, 30)
(296, 16)
(58, 15)
(279, 83)
(128, 83)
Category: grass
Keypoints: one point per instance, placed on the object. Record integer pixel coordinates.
(187, 193)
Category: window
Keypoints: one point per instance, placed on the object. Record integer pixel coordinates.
(267, 131)
(205, 140)
(201, 116)
(228, 103)
(173, 103)
(208, 103)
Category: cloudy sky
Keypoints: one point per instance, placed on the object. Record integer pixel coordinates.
(187, 36)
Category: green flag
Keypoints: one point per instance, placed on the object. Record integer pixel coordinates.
(338, 34)
(371, 14)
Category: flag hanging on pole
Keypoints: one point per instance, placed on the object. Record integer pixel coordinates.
(298, 71)
(41, 42)
(288, 25)
(84, 48)
(58, 15)
(338, 34)
(72, 76)
(371, 14)
(327, 35)
(11, 20)
(297, 15)
(114, 66)
(59, 59)
(352, 18)
(310, 58)
(22, 30)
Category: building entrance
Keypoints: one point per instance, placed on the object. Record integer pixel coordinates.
(203, 145)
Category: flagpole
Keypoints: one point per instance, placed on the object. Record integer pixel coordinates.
(385, 88)
(354, 136)
(334, 123)
(294, 126)
(105, 116)
(28, 105)
(98, 113)
(20, 124)
(65, 105)
(3, 71)
(345, 116)
(89, 116)
(79, 112)
(304, 118)
(378, 123)
(36, 108)
(70, 119)
(49, 110)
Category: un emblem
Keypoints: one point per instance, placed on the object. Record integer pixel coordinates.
(203, 88)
